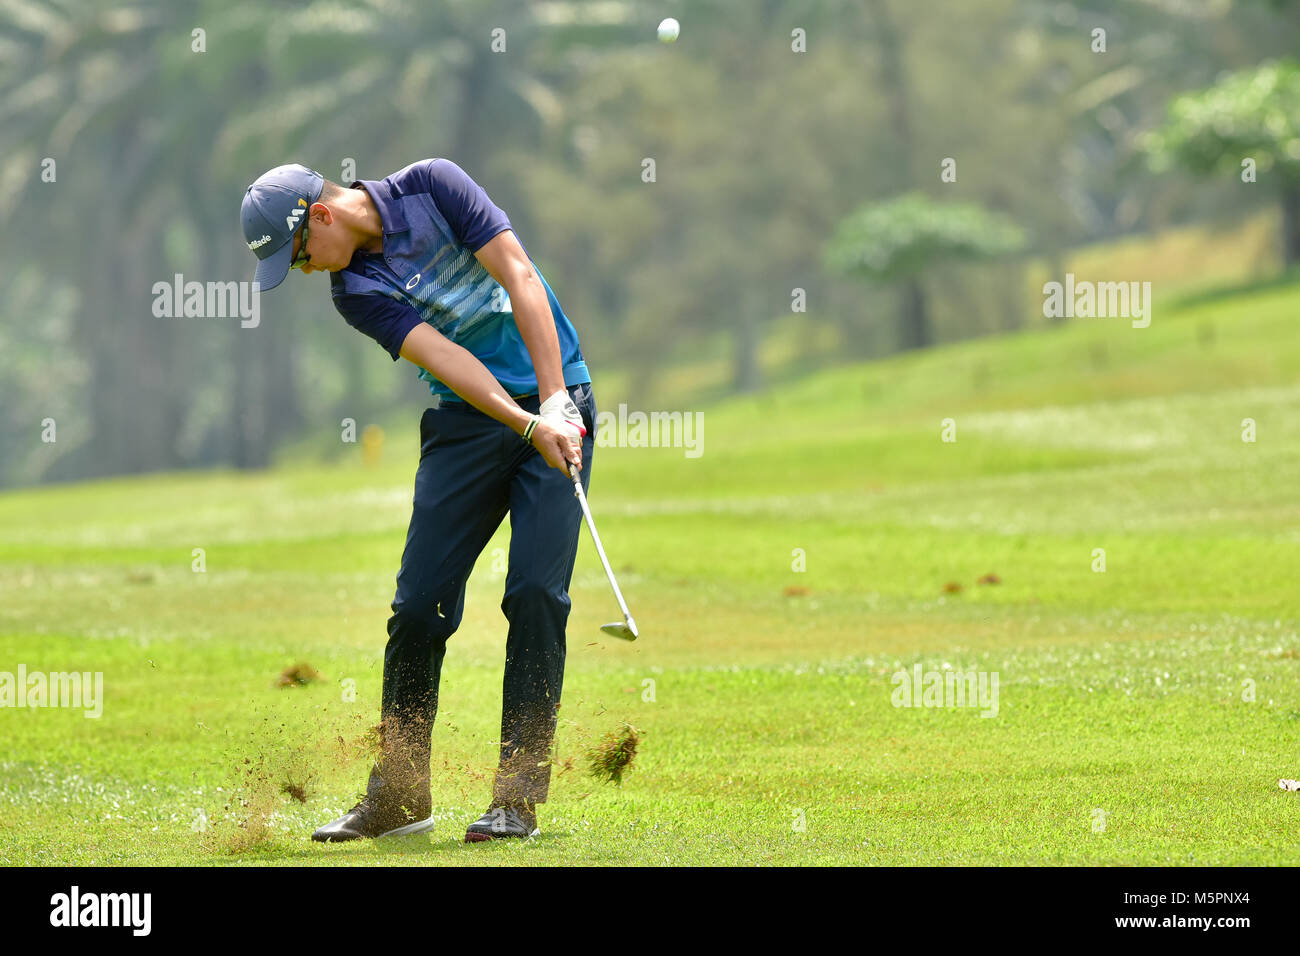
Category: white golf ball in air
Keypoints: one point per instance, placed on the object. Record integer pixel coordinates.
(668, 30)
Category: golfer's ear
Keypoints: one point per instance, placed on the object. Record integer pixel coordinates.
(319, 212)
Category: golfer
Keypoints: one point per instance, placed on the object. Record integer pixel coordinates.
(425, 264)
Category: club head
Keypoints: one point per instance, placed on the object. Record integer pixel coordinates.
(627, 630)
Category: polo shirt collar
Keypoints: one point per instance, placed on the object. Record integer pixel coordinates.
(390, 212)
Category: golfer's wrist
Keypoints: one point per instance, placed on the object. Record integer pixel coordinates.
(517, 418)
(530, 426)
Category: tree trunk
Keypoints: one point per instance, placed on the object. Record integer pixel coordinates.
(1056, 273)
(283, 413)
(1012, 297)
(151, 420)
(478, 86)
(915, 331)
(101, 337)
(354, 403)
(1290, 222)
(894, 89)
(247, 409)
(913, 316)
(748, 375)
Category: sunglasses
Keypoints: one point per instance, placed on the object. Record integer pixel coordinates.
(302, 258)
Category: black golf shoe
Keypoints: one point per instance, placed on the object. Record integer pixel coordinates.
(507, 820)
(366, 821)
(384, 811)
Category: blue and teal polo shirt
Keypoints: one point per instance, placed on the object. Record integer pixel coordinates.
(434, 219)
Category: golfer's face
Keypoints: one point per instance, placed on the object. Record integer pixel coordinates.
(326, 251)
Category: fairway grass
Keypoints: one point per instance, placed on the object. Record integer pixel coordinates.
(819, 546)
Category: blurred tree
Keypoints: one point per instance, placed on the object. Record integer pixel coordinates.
(80, 88)
(898, 240)
(751, 146)
(1251, 115)
(1105, 73)
(762, 118)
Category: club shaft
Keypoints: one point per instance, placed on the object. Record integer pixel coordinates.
(600, 550)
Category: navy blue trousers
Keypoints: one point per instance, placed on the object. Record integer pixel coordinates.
(473, 471)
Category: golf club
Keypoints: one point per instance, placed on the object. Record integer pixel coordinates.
(626, 629)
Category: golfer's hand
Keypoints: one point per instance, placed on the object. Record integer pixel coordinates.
(560, 410)
(559, 444)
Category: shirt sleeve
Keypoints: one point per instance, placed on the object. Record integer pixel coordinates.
(473, 217)
(385, 320)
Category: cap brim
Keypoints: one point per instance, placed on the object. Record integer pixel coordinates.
(272, 270)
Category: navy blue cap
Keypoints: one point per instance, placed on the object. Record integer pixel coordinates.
(274, 208)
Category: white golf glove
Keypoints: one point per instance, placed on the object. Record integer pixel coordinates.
(559, 412)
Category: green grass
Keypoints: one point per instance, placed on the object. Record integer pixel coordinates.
(763, 693)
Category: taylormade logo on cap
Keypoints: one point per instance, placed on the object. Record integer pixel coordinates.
(274, 208)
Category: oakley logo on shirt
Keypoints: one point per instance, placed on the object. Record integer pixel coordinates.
(434, 219)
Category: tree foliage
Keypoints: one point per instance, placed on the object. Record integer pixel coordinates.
(903, 237)
(1248, 114)
(765, 120)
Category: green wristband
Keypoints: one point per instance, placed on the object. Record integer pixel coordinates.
(528, 431)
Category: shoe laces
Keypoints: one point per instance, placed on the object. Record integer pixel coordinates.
(506, 814)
